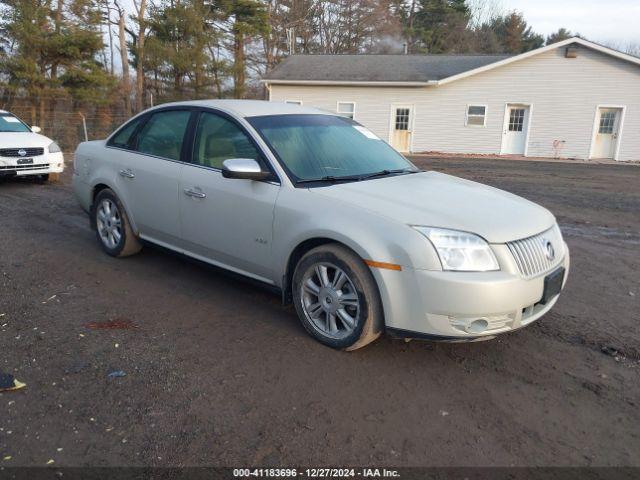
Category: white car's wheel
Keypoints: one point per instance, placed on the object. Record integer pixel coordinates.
(336, 298)
(112, 226)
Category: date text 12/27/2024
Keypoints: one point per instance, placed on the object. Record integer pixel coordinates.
(315, 473)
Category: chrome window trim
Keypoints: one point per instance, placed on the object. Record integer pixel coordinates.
(244, 129)
(191, 164)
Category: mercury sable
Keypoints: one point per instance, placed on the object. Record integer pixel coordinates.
(316, 205)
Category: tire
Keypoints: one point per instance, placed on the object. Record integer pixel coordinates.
(112, 225)
(340, 313)
(48, 177)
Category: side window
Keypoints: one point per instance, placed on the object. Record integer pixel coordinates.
(219, 139)
(122, 138)
(347, 109)
(163, 134)
(477, 115)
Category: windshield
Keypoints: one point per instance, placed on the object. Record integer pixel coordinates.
(322, 147)
(9, 123)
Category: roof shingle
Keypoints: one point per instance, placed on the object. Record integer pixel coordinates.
(377, 68)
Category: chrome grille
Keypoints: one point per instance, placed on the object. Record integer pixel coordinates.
(41, 166)
(13, 152)
(531, 254)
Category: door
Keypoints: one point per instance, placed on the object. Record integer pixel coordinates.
(401, 121)
(227, 222)
(149, 174)
(516, 129)
(607, 133)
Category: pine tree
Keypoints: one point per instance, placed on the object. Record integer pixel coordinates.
(243, 20)
(176, 47)
(560, 35)
(433, 25)
(53, 50)
(515, 35)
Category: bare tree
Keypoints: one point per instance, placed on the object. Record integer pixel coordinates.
(140, 8)
(124, 58)
(633, 48)
(483, 12)
(108, 23)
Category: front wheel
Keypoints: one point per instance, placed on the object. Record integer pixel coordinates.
(336, 298)
(112, 226)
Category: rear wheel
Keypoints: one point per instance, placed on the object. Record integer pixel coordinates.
(336, 298)
(112, 226)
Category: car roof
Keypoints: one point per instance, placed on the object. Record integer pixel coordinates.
(252, 108)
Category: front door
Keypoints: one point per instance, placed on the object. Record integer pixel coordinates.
(226, 222)
(608, 127)
(401, 120)
(516, 128)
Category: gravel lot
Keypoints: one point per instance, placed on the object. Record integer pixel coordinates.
(219, 373)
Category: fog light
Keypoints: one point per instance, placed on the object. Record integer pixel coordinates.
(477, 326)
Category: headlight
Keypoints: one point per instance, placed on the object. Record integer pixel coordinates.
(54, 148)
(461, 251)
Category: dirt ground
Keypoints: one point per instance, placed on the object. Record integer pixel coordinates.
(219, 373)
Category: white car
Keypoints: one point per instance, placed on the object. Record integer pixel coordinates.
(320, 208)
(23, 151)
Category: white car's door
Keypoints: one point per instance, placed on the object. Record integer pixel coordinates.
(149, 175)
(226, 222)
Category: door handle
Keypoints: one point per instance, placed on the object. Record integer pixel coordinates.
(194, 193)
(127, 174)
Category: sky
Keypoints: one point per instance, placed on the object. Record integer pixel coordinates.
(608, 21)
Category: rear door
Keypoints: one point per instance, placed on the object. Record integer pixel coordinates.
(149, 175)
(227, 222)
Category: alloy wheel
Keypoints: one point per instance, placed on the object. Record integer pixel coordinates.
(109, 223)
(329, 300)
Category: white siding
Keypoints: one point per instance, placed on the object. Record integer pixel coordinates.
(564, 94)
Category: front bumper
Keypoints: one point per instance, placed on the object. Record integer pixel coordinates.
(42, 165)
(459, 306)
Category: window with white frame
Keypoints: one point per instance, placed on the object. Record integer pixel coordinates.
(477, 115)
(294, 102)
(347, 109)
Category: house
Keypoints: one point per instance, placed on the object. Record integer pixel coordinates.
(571, 99)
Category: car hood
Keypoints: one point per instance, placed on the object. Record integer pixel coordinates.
(437, 200)
(23, 140)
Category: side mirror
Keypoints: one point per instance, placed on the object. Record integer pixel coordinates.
(243, 169)
(35, 129)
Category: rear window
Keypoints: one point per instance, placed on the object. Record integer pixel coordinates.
(163, 134)
(122, 139)
(10, 123)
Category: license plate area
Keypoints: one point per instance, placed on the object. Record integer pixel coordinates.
(25, 161)
(552, 285)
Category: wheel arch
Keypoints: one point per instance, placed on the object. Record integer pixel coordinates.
(98, 187)
(301, 249)
(95, 190)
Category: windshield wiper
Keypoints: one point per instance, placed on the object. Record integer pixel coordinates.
(356, 178)
(385, 173)
(329, 179)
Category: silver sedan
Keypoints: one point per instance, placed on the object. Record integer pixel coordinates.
(317, 206)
